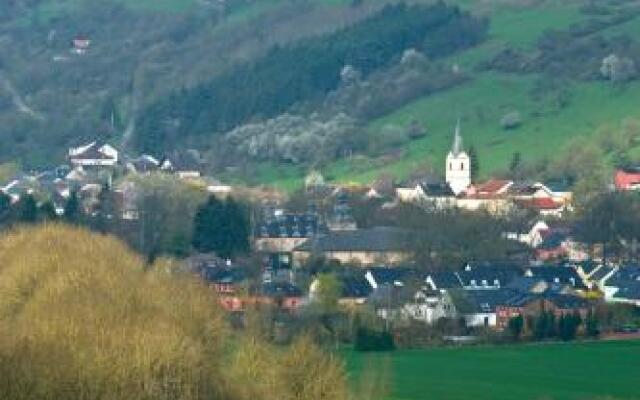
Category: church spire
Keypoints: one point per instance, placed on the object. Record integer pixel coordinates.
(457, 141)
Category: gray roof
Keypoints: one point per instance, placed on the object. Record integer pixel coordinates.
(445, 280)
(480, 301)
(380, 239)
(558, 274)
(291, 226)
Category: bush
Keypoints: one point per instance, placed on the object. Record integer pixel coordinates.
(511, 120)
(372, 340)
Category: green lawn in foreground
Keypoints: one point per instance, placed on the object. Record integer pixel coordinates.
(584, 371)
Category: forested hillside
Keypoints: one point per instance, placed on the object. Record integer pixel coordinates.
(267, 90)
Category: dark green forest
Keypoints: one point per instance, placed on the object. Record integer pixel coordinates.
(306, 71)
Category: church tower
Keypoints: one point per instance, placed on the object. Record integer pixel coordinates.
(458, 166)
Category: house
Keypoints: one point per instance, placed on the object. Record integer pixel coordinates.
(284, 295)
(186, 165)
(558, 275)
(94, 155)
(227, 282)
(530, 306)
(553, 246)
(381, 245)
(479, 308)
(355, 290)
(144, 165)
(626, 179)
(533, 236)
(341, 218)
(487, 276)
(429, 306)
(281, 233)
(386, 276)
(622, 285)
(546, 207)
(443, 280)
(80, 45)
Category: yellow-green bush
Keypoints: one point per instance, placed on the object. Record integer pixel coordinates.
(81, 318)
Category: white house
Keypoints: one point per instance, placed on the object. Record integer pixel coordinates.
(94, 155)
(429, 306)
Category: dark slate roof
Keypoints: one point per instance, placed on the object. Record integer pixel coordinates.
(524, 284)
(558, 186)
(386, 276)
(280, 289)
(588, 266)
(624, 276)
(445, 280)
(223, 275)
(381, 239)
(145, 164)
(628, 291)
(553, 241)
(355, 287)
(480, 301)
(491, 275)
(601, 272)
(439, 189)
(291, 226)
(558, 274)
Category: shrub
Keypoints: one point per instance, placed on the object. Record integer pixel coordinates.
(371, 340)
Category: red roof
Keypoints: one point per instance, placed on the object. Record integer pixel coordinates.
(493, 186)
(543, 203)
(626, 180)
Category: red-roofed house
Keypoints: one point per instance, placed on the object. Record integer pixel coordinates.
(627, 179)
(543, 205)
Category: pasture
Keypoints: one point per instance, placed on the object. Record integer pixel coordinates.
(577, 371)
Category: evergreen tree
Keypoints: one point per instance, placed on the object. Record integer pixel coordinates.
(72, 212)
(516, 326)
(592, 325)
(5, 209)
(238, 227)
(221, 227)
(47, 212)
(105, 211)
(207, 233)
(516, 162)
(27, 209)
(475, 163)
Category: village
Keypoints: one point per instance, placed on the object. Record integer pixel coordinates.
(300, 255)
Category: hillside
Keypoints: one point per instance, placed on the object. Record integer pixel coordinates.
(151, 76)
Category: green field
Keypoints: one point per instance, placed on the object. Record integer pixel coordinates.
(604, 370)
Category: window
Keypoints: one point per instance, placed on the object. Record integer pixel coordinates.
(461, 166)
(473, 282)
(450, 166)
(485, 283)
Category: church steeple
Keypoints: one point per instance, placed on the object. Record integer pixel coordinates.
(456, 149)
(458, 173)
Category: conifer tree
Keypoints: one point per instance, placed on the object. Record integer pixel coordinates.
(72, 211)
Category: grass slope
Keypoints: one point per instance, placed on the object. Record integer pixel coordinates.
(551, 372)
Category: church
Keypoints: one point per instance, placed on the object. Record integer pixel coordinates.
(458, 168)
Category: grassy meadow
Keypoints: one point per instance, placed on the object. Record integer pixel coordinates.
(584, 371)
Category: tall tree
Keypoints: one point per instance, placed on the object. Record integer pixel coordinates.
(475, 163)
(47, 212)
(221, 227)
(27, 209)
(72, 211)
